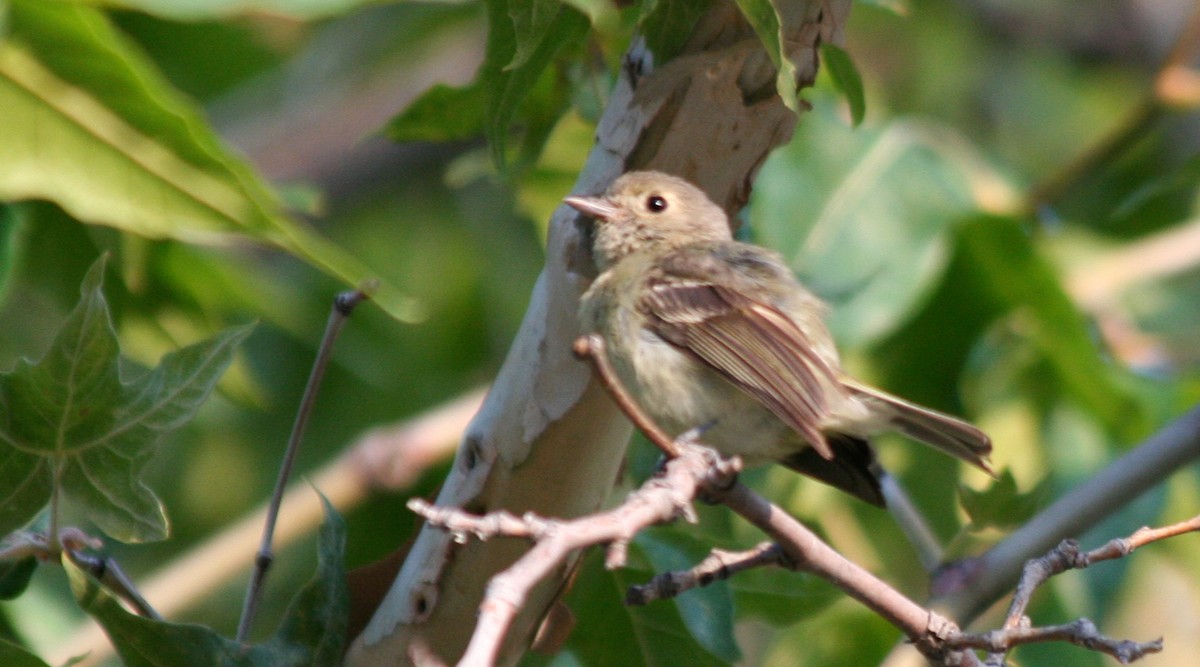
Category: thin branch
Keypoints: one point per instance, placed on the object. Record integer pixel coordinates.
(911, 522)
(1081, 632)
(1172, 251)
(718, 566)
(343, 305)
(937, 638)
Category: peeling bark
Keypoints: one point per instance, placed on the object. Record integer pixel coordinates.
(548, 439)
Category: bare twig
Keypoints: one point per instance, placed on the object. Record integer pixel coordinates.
(1066, 556)
(1081, 632)
(696, 471)
(660, 500)
(719, 565)
(343, 306)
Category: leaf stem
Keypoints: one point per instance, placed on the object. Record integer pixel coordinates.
(343, 306)
(52, 539)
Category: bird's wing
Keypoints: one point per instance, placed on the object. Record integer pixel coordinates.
(757, 347)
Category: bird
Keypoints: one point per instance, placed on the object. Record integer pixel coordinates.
(705, 331)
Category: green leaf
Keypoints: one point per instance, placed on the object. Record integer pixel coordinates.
(317, 617)
(14, 577)
(764, 18)
(515, 59)
(531, 20)
(96, 129)
(602, 13)
(782, 597)
(898, 7)
(195, 10)
(846, 78)
(1001, 505)
(143, 642)
(655, 634)
(71, 423)
(12, 655)
(667, 24)
(707, 611)
(1160, 200)
(13, 230)
(312, 633)
(442, 113)
(1024, 282)
(863, 215)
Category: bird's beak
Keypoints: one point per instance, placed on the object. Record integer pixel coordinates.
(599, 208)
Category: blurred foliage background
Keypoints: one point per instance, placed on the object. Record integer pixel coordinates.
(986, 239)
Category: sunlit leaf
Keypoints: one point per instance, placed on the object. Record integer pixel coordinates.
(91, 125)
(517, 55)
(764, 18)
(898, 7)
(193, 10)
(1015, 274)
(72, 421)
(1001, 505)
(862, 215)
(602, 13)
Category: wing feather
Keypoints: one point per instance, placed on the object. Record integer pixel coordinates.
(754, 345)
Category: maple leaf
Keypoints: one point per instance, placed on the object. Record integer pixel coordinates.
(72, 426)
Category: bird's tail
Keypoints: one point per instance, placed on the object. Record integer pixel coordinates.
(949, 434)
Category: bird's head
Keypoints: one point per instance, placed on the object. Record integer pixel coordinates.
(642, 210)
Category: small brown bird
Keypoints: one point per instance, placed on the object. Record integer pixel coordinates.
(703, 330)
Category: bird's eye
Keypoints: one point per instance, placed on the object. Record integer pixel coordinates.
(656, 204)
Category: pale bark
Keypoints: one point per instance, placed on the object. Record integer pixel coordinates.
(547, 438)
